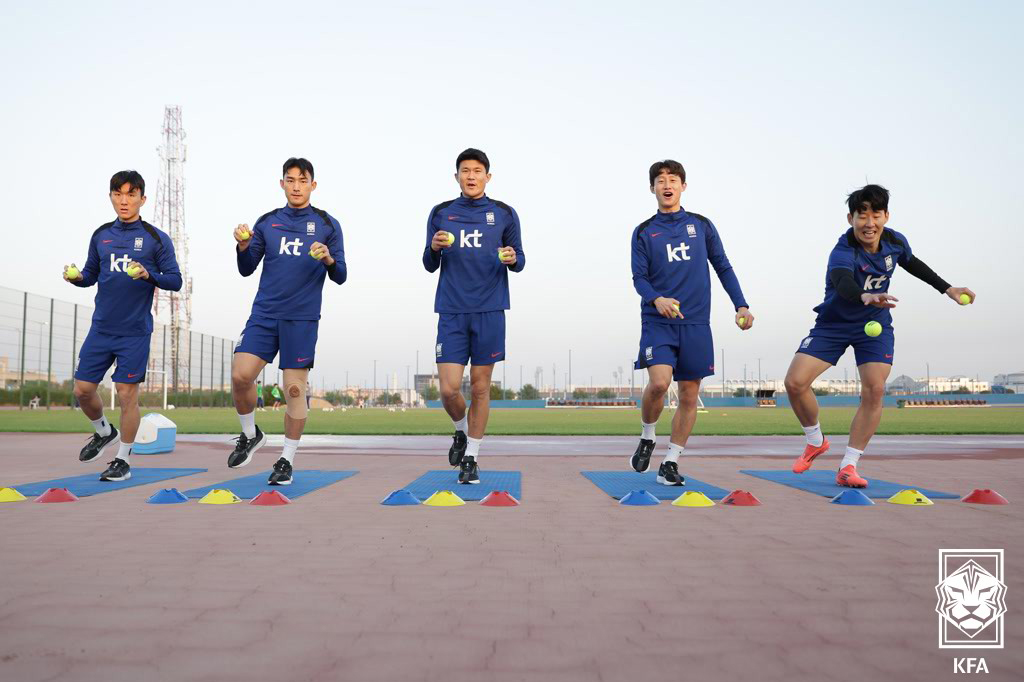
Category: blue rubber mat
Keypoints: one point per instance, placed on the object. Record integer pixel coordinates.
(90, 484)
(303, 481)
(823, 483)
(619, 483)
(432, 481)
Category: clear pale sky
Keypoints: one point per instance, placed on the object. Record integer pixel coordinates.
(777, 111)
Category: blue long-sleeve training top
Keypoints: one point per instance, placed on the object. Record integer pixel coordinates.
(124, 306)
(671, 252)
(472, 278)
(873, 273)
(292, 281)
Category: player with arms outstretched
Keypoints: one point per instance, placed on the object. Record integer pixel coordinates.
(860, 269)
(300, 246)
(128, 260)
(475, 241)
(670, 256)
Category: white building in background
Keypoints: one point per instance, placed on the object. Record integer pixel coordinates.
(1013, 381)
(904, 384)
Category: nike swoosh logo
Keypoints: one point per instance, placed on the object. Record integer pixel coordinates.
(276, 225)
(655, 234)
(301, 359)
(107, 241)
(494, 355)
(888, 357)
(132, 376)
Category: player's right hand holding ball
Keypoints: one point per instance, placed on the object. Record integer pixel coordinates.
(243, 235)
(668, 307)
(961, 295)
(442, 240)
(72, 273)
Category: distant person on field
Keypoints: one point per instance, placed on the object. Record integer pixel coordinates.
(471, 300)
(670, 255)
(128, 260)
(259, 397)
(300, 246)
(860, 268)
(275, 393)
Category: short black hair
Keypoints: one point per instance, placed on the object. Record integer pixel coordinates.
(302, 164)
(473, 155)
(130, 178)
(875, 196)
(673, 168)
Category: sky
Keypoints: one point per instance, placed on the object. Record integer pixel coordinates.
(777, 111)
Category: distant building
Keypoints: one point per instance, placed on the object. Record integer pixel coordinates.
(1009, 382)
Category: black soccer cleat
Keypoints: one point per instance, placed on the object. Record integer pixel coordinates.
(97, 444)
(118, 470)
(282, 473)
(245, 448)
(458, 449)
(668, 474)
(641, 459)
(468, 472)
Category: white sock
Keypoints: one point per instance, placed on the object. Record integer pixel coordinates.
(648, 432)
(673, 453)
(124, 451)
(814, 435)
(102, 426)
(473, 447)
(289, 450)
(248, 424)
(851, 457)
(462, 424)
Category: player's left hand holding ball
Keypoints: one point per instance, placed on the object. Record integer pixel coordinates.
(135, 270)
(321, 253)
(961, 295)
(72, 273)
(507, 255)
(744, 319)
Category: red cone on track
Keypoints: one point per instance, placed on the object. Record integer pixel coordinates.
(57, 495)
(985, 496)
(499, 498)
(741, 498)
(270, 498)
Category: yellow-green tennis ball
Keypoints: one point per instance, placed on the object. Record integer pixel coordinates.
(872, 328)
(965, 299)
(743, 321)
(72, 272)
(133, 270)
(318, 256)
(245, 235)
(451, 238)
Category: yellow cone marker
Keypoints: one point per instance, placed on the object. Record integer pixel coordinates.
(10, 495)
(444, 498)
(220, 496)
(911, 497)
(693, 498)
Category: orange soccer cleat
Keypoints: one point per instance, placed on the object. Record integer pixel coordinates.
(848, 477)
(803, 462)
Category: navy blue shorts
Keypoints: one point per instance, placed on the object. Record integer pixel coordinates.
(295, 339)
(476, 336)
(687, 348)
(828, 343)
(99, 351)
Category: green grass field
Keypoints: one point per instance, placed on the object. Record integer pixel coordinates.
(591, 422)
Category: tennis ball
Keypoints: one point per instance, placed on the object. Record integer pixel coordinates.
(502, 256)
(318, 257)
(872, 328)
(133, 270)
(451, 238)
(245, 235)
(72, 272)
(965, 299)
(742, 321)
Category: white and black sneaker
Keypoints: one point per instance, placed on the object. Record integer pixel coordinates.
(468, 471)
(458, 449)
(668, 474)
(118, 470)
(282, 473)
(97, 444)
(245, 448)
(641, 459)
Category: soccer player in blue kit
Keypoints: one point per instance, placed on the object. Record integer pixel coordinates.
(300, 245)
(471, 299)
(670, 256)
(860, 269)
(128, 260)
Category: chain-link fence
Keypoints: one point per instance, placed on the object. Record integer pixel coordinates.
(40, 338)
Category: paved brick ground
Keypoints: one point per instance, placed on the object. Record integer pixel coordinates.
(568, 586)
